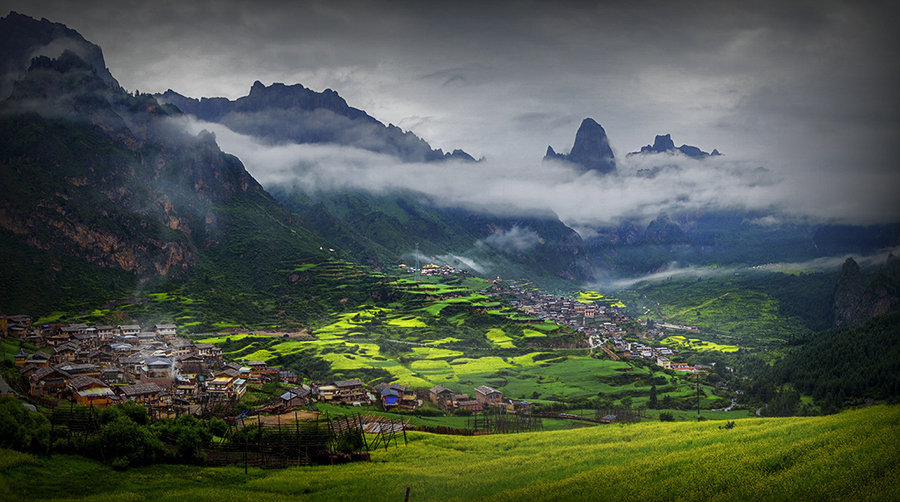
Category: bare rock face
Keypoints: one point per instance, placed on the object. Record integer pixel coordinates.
(591, 150)
(858, 297)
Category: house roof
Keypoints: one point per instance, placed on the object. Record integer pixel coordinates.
(140, 388)
(439, 389)
(389, 392)
(347, 383)
(49, 370)
(82, 382)
(485, 390)
(158, 361)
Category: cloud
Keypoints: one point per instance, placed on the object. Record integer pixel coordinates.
(823, 264)
(514, 240)
(677, 184)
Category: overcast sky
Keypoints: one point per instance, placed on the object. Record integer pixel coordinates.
(808, 89)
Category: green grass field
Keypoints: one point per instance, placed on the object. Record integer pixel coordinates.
(854, 455)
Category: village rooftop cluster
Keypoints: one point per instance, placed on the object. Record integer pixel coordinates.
(100, 365)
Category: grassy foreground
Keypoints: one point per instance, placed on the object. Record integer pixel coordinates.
(851, 456)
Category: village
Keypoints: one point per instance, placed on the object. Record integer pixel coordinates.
(602, 326)
(100, 366)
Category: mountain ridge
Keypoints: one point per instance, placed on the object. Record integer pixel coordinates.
(292, 113)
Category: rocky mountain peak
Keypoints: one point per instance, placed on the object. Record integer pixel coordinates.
(591, 149)
(23, 38)
(663, 143)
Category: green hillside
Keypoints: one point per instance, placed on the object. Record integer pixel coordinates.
(854, 455)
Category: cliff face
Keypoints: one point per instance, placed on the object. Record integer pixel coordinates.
(858, 298)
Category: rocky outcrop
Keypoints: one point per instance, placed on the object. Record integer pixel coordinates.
(663, 144)
(591, 150)
(859, 297)
(24, 38)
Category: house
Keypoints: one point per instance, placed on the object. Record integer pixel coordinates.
(407, 399)
(89, 391)
(65, 352)
(185, 388)
(158, 370)
(664, 362)
(39, 358)
(351, 391)
(469, 404)
(682, 367)
(488, 396)
(286, 376)
(48, 381)
(21, 358)
(192, 364)
(441, 396)
(225, 387)
(390, 398)
(129, 329)
(327, 393)
(112, 375)
(520, 407)
(105, 333)
(144, 393)
(80, 369)
(608, 419)
(165, 330)
(298, 396)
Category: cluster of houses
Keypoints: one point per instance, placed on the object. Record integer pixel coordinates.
(659, 355)
(434, 270)
(588, 318)
(102, 365)
(485, 398)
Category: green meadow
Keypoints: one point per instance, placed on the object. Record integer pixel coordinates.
(854, 455)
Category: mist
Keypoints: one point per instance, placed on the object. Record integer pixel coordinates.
(645, 186)
(674, 271)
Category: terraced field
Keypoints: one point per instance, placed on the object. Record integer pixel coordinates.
(849, 456)
(395, 344)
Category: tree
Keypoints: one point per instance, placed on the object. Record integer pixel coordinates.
(653, 403)
(666, 417)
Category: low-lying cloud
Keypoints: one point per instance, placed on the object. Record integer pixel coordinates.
(644, 187)
(821, 264)
(513, 240)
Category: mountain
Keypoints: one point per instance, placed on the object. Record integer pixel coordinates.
(294, 114)
(384, 229)
(22, 38)
(105, 199)
(591, 150)
(664, 144)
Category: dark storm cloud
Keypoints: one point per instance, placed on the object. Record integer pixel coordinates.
(806, 88)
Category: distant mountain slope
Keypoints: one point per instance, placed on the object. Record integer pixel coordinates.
(385, 229)
(294, 114)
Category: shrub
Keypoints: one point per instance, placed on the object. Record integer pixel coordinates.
(22, 429)
(666, 417)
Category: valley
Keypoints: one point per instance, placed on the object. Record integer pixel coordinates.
(278, 295)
